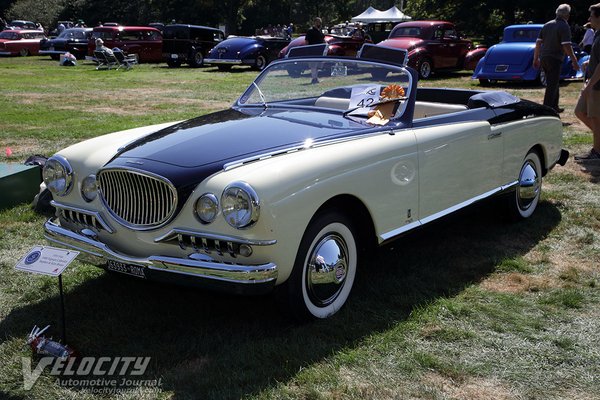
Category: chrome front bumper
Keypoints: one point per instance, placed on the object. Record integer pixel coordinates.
(228, 277)
(223, 61)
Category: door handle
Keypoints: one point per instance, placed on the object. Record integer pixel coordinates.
(494, 135)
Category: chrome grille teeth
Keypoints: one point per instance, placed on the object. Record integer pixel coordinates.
(141, 201)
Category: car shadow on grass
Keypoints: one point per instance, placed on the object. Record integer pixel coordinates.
(210, 345)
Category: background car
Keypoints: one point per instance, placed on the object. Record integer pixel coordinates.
(255, 51)
(512, 58)
(433, 46)
(189, 43)
(338, 45)
(144, 42)
(294, 186)
(73, 40)
(20, 42)
(21, 24)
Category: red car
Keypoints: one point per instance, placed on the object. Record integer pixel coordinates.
(20, 42)
(142, 41)
(434, 45)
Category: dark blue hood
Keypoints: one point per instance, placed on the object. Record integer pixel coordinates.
(188, 152)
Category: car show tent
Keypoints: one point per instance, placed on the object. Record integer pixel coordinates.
(372, 15)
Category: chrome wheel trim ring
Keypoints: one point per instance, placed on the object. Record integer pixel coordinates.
(528, 189)
(327, 269)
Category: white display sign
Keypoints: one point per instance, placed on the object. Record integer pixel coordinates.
(46, 260)
(363, 97)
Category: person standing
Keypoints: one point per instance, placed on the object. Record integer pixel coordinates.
(588, 104)
(315, 36)
(553, 42)
(588, 38)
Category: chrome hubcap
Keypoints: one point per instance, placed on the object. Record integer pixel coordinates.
(327, 270)
(529, 185)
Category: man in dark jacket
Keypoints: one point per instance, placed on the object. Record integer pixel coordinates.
(315, 36)
(553, 42)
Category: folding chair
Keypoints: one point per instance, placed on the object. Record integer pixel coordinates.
(126, 61)
(105, 61)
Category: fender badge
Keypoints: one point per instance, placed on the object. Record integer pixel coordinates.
(135, 162)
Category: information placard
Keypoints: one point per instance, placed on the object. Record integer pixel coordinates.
(46, 260)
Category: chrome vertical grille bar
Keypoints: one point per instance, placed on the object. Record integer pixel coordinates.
(138, 199)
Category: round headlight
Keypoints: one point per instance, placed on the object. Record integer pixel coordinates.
(240, 205)
(207, 208)
(89, 188)
(58, 175)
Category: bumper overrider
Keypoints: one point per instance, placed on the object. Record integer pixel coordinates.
(233, 278)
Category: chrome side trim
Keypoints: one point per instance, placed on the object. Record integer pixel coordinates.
(204, 269)
(229, 61)
(405, 228)
(93, 214)
(172, 234)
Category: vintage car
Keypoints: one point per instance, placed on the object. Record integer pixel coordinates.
(255, 51)
(512, 59)
(73, 40)
(143, 42)
(433, 46)
(20, 42)
(20, 24)
(289, 188)
(189, 44)
(336, 45)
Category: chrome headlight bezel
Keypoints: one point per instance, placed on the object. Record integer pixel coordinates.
(240, 205)
(58, 175)
(204, 214)
(89, 188)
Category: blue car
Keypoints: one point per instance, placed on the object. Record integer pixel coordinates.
(255, 51)
(512, 59)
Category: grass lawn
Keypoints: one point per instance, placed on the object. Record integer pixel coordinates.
(470, 307)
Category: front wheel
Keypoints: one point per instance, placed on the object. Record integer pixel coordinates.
(542, 78)
(425, 68)
(24, 52)
(325, 267)
(523, 201)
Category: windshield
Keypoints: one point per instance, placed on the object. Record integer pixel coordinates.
(9, 35)
(354, 87)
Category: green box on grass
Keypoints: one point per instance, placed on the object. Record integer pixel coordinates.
(18, 184)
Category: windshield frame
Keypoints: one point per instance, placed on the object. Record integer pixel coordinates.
(409, 73)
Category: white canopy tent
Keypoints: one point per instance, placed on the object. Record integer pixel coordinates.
(372, 15)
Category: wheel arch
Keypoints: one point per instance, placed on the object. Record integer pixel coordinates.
(355, 209)
(541, 152)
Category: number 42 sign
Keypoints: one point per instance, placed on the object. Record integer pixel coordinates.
(363, 97)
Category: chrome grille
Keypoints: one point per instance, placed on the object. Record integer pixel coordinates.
(139, 200)
(74, 216)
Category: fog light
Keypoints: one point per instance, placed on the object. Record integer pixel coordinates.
(245, 250)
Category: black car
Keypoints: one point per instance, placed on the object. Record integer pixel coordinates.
(189, 43)
(74, 41)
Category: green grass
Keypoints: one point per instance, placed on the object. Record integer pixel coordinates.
(469, 307)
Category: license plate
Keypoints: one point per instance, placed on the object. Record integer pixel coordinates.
(175, 56)
(134, 270)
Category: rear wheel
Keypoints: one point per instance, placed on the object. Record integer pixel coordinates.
(24, 52)
(173, 63)
(325, 267)
(523, 201)
(261, 62)
(484, 82)
(196, 59)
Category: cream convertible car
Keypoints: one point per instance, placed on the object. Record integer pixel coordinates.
(285, 188)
